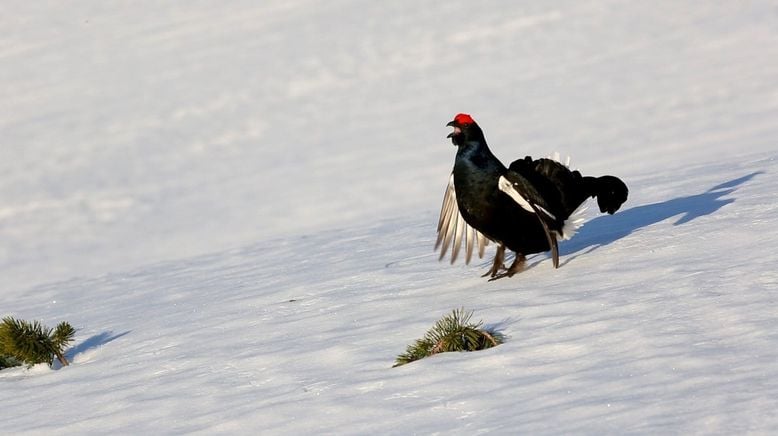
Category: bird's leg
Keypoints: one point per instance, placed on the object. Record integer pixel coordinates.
(499, 258)
(516, 267)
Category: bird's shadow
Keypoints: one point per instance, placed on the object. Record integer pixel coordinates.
(605, 230)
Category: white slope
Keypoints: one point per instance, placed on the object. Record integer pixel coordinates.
(143, 131)
(236, 208)
(661, 319)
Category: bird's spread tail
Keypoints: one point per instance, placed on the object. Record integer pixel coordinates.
(574, 222)
(611, 193)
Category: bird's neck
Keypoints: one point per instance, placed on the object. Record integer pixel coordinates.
(475, 153)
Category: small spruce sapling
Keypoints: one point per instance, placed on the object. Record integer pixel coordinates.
(32, 342)
(453, 332)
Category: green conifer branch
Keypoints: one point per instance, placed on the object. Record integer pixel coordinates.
(32, 342)
(63, 335)
(8, 362)
(453, 332)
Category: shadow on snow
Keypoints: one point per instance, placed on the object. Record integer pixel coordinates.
(93, 341)
(605, 230)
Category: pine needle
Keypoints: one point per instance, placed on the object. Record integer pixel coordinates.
(453, 332)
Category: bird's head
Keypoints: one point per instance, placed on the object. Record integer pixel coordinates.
(461, 123)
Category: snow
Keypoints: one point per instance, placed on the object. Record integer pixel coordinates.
(236, 208)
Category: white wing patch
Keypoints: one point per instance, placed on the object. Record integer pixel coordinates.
(507, 187)
(452, 229)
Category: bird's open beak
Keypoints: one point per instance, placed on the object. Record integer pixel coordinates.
(456, 131)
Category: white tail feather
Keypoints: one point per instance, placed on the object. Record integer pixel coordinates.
(576, 219)
(555, 156)
(574, 222)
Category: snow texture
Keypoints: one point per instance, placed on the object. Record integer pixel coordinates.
(236, 208)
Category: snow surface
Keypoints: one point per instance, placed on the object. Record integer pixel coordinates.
(236, 207)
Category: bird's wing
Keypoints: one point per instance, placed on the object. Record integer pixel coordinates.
(526, 196)
(565, 191)
(452, 229)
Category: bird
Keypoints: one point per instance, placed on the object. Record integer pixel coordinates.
(526, 207)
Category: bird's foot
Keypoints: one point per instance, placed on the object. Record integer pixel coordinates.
(497, 264)
(516, 267)
(494, 271)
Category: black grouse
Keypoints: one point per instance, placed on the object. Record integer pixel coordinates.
(526, 207)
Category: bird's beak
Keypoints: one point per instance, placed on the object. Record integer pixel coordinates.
(456, 131)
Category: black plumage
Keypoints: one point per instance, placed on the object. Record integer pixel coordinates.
(525, 207)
